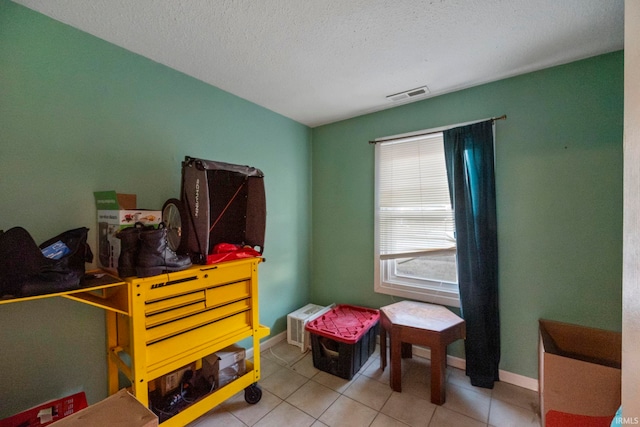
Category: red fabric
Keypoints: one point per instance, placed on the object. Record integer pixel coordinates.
(563, 419)
(228, 252)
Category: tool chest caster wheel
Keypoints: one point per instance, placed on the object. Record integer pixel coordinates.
(252, 394)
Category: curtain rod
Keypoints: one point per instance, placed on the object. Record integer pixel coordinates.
(493, 119)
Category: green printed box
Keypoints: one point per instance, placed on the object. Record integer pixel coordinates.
(116, 211)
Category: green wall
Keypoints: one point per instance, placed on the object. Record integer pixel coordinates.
(79, 115)
(559, 197)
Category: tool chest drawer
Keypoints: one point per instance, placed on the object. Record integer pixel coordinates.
(194, 279)
(181, 325)
(168, 349)
(174, 308)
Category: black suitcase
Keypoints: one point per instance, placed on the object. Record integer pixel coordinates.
(224, 203)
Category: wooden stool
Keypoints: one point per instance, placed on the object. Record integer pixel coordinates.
(410, 322)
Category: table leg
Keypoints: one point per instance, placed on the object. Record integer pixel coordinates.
(438, 369)
(383, 347)
(396, 361)
(407, 350)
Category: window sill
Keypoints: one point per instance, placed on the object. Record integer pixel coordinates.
(418, 294)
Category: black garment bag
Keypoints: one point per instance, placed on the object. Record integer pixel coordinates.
(26, 271)
(224, 203)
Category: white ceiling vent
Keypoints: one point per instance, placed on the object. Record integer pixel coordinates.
(408, 94)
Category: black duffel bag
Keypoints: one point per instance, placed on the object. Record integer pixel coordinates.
(26, 271)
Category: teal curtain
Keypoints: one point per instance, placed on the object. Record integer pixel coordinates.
(470, 170)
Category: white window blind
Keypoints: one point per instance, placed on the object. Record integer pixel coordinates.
(415, 247)
(414, 208)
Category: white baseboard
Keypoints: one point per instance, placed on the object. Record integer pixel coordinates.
(505, 376)
(519, 380)
(266, 344)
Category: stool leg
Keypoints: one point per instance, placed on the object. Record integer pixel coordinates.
(407, 350)
(438, 369)
(396, 361)
(383, 347)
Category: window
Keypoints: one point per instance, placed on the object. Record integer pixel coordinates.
(415, 247)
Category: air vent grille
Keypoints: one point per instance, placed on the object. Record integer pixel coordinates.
(408, 94)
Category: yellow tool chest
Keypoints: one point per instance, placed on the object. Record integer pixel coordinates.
(176, 319)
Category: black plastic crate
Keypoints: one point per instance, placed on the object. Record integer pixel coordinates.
(344, 357)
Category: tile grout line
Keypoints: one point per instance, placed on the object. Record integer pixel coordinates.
(291, 366)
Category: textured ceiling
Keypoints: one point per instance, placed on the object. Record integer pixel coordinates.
(320, 61)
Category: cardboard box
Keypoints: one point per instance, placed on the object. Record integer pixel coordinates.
(120, 409)
(171, 381)
(225, 365)
(114, 212)
(579, 370)
(210, 365)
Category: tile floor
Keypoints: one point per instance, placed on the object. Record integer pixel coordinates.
(294, 393)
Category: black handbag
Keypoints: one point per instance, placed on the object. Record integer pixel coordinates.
(26, 271)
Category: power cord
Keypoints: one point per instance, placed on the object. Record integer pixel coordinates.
(287, 364)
